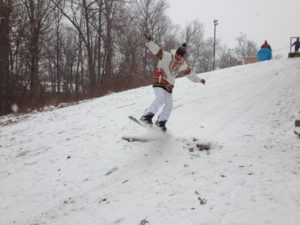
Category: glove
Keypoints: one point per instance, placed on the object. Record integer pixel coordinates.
(148, 37)
(202, 81)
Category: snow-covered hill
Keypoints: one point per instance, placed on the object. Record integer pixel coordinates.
(70, 166)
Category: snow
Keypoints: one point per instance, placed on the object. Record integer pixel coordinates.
(70, 166)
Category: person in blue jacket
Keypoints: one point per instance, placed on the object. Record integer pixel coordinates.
(296, 44)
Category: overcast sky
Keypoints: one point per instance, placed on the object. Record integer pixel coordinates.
(272, 20)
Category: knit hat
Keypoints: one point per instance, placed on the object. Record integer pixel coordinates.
(181, 50)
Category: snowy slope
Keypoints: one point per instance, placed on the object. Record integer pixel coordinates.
(70, 166)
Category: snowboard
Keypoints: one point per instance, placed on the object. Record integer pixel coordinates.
(144, 138)
(135, 138)
(192, 144)
(154, 127)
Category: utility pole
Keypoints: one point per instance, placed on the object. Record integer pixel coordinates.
(214, 59)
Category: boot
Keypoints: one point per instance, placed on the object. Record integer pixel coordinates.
(161, 125)
(147, 119)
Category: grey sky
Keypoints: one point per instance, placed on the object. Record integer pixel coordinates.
(272, 20)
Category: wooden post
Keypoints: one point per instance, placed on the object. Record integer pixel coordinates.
(297, 123)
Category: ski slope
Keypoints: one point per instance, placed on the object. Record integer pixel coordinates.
(69, 166)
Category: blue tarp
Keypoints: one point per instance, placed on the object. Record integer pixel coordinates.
(264, 54)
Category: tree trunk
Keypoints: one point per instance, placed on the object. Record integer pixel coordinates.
(91, 63)
(108, 41)
(34, 64)
(34, 68)
(5, 97)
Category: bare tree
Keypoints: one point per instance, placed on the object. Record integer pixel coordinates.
(98, 45)
(226, 57)
(206, 56)
(57, 24)
(80, 17)
(245, 47)
(149, 16)
(193, 36)
(38, 19)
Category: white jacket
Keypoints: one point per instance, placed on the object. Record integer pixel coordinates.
(168, 68)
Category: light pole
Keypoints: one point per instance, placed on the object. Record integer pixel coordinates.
(215, 25)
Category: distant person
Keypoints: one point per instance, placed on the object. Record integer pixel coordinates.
(296, 44)
(266, 45)
(265, 52)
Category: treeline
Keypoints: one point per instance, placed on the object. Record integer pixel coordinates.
(66, 50)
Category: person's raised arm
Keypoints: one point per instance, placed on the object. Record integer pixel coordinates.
(154, 48)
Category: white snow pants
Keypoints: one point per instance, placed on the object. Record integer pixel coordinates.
(164, 100)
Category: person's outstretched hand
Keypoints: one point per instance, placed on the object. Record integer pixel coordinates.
(148, 37)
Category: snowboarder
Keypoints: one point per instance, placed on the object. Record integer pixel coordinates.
(296, 44)
(170, 66)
